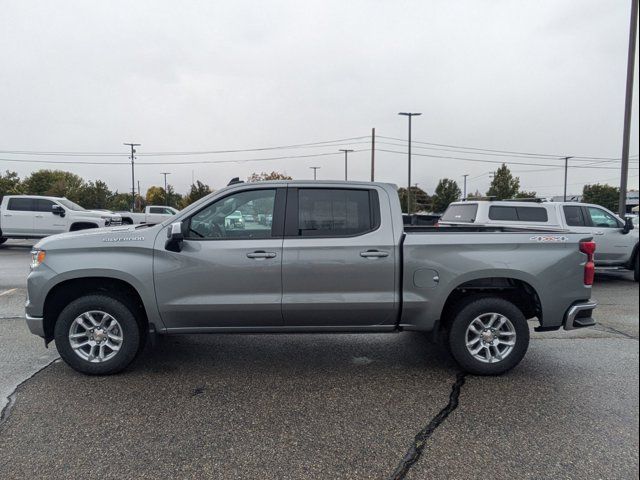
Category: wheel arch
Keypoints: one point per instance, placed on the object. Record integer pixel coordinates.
(515, 290)
(69, 290)
(74, 227)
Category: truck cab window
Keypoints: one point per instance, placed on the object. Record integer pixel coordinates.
(325, 212)
(21, 205)
(574, 216)
(244, 215)
(602, 219)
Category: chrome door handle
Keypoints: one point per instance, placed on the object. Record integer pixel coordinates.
(598, 233)
(374, 254)
(261, 254)
(7, 215)
(39, 216)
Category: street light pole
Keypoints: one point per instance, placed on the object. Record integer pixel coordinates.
(624, 173)
(410, 115)
(133, 175)
(566, 172)
(166, 193)
(464, 195)
(315, 169)
(346, 153)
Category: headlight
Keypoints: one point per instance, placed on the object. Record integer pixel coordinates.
(37, 257)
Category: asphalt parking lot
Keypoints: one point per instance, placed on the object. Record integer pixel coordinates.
(322, 406)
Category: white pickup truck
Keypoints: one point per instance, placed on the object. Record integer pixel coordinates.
(152, 215)
(616, 239)
(31, 216)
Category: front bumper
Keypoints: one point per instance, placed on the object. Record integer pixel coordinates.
(36, 325)
(580, 315)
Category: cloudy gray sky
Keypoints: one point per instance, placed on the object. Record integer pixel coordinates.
(542, 77)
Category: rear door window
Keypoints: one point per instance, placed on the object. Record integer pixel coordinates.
(574, 216)
(326, 212)
(461, 213)
(21, 204)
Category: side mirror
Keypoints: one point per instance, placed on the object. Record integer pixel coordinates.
(174, 237)
(58, 210)
(628, 225)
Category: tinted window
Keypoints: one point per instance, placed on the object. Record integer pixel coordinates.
(334, 212)
(503, 213)
(461, 213)
(224, 219)
(21, 204)
(532, 214)
(602, 219)
(157, 210)
(574, 216)
(43, 205)
(521, 214)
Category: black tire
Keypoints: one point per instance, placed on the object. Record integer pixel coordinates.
(2, 240)
(636, 268)
(130, 332)
(462, 319)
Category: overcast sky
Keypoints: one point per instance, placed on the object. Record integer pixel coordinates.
(544, 77)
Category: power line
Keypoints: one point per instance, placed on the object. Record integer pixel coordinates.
(336, 142)
(528, 154)
(478, 160)
(189, 162)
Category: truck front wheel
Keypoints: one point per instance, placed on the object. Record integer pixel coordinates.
(488, 336)
(97, 335)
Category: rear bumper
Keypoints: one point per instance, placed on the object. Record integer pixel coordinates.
(580, 315)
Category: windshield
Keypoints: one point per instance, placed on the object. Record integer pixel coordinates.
(69, 204)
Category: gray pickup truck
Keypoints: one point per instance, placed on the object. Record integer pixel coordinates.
(335, 258)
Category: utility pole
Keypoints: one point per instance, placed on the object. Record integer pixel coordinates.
(315, 169)
(166, 192)
(566, 172)
(133, 175)
(464, 195)
(624, 173)
(373, 154)
(410, 115)
(346, 153)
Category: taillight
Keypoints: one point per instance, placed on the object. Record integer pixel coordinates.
(588, 248)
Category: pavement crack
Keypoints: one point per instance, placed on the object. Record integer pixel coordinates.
(606, 328)
(11, 398)
(420, 440)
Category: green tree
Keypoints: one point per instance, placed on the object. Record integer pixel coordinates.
(156, 196)
(525, 194)
(9, 184)
(504, 185)
(420, 199)
(604, 195)
(261, 177)
(95, 195)
(446, 192)
(56, 183)
(174, 199)
(119, 202)
(196, 192)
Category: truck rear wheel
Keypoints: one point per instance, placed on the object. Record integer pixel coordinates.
(488, 336)
(2, 240)
(97, 335)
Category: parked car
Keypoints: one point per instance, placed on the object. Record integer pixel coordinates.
(616, 239)
(34, 216)
(152, 215)
(336, 258)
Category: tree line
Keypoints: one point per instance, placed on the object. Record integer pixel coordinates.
(97, 194)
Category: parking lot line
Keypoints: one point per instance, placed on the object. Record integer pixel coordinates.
(7, 292)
